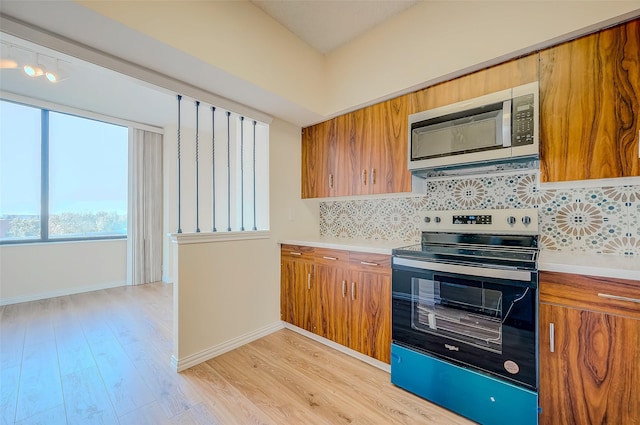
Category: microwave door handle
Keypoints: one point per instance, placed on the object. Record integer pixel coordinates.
(506, 123)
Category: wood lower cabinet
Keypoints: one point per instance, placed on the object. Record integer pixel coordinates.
(351, 298)
(589, 350)
(590, 106)
(299, 291)
(332, 274)
(370, 314)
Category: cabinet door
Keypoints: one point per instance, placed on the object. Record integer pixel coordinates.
(499, 77)
(351, 129)
(332, 275)
(590, 106)
(319, 150)
(385, 147)
(371, 315)
(333, 303)
(298, 293)
(358, 153)
(592, 376)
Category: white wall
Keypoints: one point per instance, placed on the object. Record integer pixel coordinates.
(43, 270)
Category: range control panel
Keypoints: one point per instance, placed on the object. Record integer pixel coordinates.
(515, 221)
(472, 219)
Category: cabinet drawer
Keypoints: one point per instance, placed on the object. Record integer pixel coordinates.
(332, 257)
(602, 294)
(371, 263)
(297, 251)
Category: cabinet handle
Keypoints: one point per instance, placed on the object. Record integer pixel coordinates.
(552, 337)
(638, 143)
(329, 258)
(331, 181)
(295, 253)
(344, 288)
(353, 291)
(364, 177)
(309, 281)
(372, 176)
(619, 298)
(366, 263)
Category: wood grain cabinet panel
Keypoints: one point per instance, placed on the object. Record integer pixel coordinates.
(358, 153)
(344, 296)
(298, 291)
(514, 73)
(593, 375)
(332, 274)
(589, 350)
(356, 301)
(385, 147)
(319, 149)
(351, 132)
(370, 318)
(590, 106)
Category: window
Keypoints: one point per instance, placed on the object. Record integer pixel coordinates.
(62, 177)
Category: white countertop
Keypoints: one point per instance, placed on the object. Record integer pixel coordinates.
(615, 266)
(606, 265)
(360, 245)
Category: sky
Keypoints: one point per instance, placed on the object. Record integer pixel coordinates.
(88, 163)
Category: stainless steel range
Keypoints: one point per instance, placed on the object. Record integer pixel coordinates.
(464, 314)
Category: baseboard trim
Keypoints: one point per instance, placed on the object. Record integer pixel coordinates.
(339, 347)
(189, 361)
(60, 293)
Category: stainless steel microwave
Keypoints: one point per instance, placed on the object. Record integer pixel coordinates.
(496, 127)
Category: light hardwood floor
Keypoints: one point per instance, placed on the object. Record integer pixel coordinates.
(103, 358)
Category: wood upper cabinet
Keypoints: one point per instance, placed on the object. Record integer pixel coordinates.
(590, 106)
(361, 152)
(351, 135)
(319, 165)
(514, 73)
(589, 350)
(384, 152)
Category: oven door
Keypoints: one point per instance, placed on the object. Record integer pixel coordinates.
(475, 317)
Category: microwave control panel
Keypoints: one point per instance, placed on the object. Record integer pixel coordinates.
(522, 123)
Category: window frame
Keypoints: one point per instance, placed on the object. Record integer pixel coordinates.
(44, 178)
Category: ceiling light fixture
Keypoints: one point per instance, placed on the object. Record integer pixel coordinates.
(33, 64)
(7, 60)
(34, 69)
(57, 75)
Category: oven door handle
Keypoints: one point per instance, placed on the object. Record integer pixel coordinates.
(519, 275)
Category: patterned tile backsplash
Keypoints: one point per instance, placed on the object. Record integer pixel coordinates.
(603, 219)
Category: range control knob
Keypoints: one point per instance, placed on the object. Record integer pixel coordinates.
(427, 219)
(437, 220)
(511, 220)
(526, 220)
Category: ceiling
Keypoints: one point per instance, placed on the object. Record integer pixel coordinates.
(323, 24)
(326, 25)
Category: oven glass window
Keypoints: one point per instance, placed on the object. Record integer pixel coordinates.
(461, 310)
